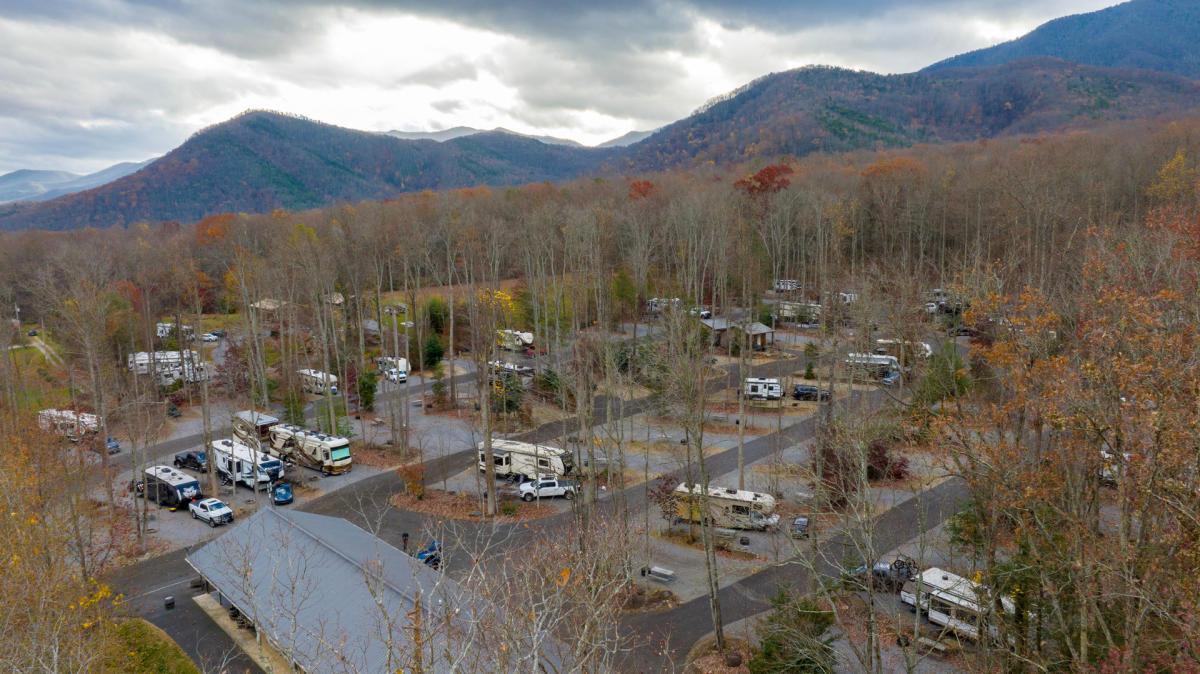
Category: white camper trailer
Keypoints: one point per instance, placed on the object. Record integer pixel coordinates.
(315, 381)
(517, 460)
(252, 428)
(513, 340)
(168, 487)
(759, 388)
(658, 304)
(908, 353)
(732, 508)
(165, 330)
(154, 362)
(68, 423)
(956, 603)
(238, 463)
(329, 454)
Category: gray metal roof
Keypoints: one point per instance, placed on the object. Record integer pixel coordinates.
(717, 324)
(757, 328)
(311, 584)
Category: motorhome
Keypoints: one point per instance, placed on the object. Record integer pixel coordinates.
(657, 304)
(521, 460)
(329, 454)
(168, 486)
(252, 428)
(238, 463)
(758, 388)
(730, 508)
(315, 381)
(192, 373)
(165, 330)
(798, 312)
(908, 353)
(152, 362)
(956, 603)
(786, 285)
(885, 369)
(513, 340)
(68, 423)
(504, 368)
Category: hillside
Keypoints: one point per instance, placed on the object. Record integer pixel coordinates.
(1158, 35)
(260, 161)
(833, 109)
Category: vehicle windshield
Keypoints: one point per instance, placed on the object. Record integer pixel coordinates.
(271, 465)
(339, 453)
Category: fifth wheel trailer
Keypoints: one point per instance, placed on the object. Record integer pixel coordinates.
(515, 459)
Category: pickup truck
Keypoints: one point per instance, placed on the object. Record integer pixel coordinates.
(211, 510)
(546, 487)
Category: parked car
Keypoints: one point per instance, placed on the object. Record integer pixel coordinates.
(281, 494)
(799, 528)
(431, 555)
(32, 333)
(806, 392)
(886, 574)
(395, 375)
(173, 411)
(209, 337)
(112, 445)
(545, 487)
(219, 334)
(195, 460)
(211, 510)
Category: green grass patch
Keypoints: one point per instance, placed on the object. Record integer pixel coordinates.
(142, 647)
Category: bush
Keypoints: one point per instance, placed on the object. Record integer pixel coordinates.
(791, 637)
(367, 384)
(884, 462)
(808, 371)
(433, 352)
(508, 507)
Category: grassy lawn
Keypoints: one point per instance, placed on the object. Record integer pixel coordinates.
(142, 647)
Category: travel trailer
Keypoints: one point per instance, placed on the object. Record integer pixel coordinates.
(152, 362)
(315, 381)
(68, 423)
(168, 486)
(522, 460)
(165, 330)
(512, 340)
(329, 454)
(252, 428)
(657, 304)
(956, 603)
(730, 508)
(758, 388)
(238, 463)
(908, 353)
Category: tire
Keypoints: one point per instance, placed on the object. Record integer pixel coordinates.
(527, 497)
(569, 494)
(212, 522)
(194, 515)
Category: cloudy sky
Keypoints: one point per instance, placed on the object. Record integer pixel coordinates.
(88, 83)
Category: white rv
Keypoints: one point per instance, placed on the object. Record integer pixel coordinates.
(238, 463)
(68, 423)
(168, 486)
(657, 304)
(165, 330)
(885, 369)
(393, 369)
(733, 508)
(514, 459)
(798, 312)
(190, 373)
(315, 381)
(329, 454)
(512, 340)
(153, 362)
(908, 353)
(786, 285)
(252, 428)
(956, 603)
(758, 388)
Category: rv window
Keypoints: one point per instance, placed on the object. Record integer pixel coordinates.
(740, 510)
(543, 463)
(327, 455)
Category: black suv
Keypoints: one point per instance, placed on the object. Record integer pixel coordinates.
(194, 460)
(805, 392)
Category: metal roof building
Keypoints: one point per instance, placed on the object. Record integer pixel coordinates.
(331, 597)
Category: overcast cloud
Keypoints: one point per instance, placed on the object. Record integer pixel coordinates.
(91, 83)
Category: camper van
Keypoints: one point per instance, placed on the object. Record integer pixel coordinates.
(512, 340)
(731, 508)
(885, 369)
(522, 460)
(168, 486)
(329, 454)
(315, 381)
(758, 388)
(956, 603)
(238, 463)
(68, 423)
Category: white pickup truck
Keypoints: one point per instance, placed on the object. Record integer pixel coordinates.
(545, 487)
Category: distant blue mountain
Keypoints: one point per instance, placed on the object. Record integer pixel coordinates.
(35, 185)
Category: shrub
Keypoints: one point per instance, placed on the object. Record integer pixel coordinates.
(367, 383)
(433, 352)
(884, 462)
(508, 507)
(808, 371)
(791, 637)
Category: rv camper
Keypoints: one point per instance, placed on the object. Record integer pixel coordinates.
(758, 388)
(512, 340)
(956, 603)
(908, 353)
(315, 381)
(155, 362)
(885, 369)
(165, 330)
(252, 428)
(168, 486)
(68, 423)
(236, 463)
(329, 454)
(393, 369)
(658, 304)
(731, 508)
(522, 460)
